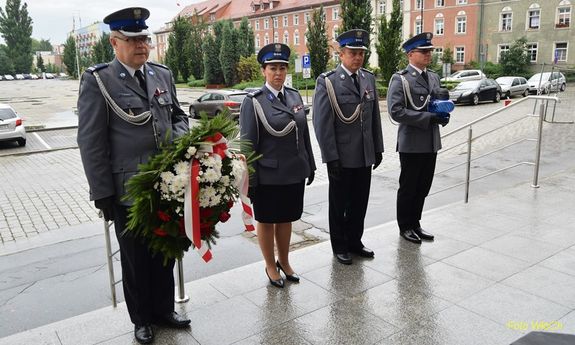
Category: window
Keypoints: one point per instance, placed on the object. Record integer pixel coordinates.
(257, 24)
(459, 54)
(502, 48)
(439, 3)
(306, 17)
(561, 51)
(305, 37)
(266, 39)
(563, 15)
(438, 51)
(285, 21)
(381, 7)
(276, 37)
(439, 26)
(266, 24)
(418, 25)
(418, 4)
(257, 42)
(335, 13)
(276, 22)
(296, 19)
(532, 51)
(212, 17)
(296, 38)
(506, 19)
(334, 31)
(533, 17)
(461, 2)
(286, 38)
(335, 56)
(461, 24)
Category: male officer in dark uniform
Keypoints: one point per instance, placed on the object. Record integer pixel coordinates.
(418, 137)
(126, 108)
(348, 128)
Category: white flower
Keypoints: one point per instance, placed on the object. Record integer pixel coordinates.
(182, 168)
(191, 150)
(225, 180)
(237, 168)
(211, 175)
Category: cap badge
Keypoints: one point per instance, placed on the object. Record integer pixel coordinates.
(428, 36)
(137, 13)
(358, 34)
(278, 48)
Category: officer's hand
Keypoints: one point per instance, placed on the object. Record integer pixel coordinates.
(310, 178)
(441, 120)
(378, 159)
(106, 206)
(252, 193)
(334, 169)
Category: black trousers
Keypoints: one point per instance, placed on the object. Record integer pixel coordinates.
(348, 197)
(148, 284)
(415, 180)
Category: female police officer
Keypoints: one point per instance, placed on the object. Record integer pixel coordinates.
(273, 119)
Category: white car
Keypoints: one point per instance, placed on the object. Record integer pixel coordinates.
(11, 126)
(545, 82)
(512, 86)
(8, 77)
(465, 75)
(20, 77)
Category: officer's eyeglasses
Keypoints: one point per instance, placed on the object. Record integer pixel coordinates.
(136, 39)
(423, 51)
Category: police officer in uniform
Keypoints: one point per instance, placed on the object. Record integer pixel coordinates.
(418, 137)
(348, 128)
(126, 108)
(273, 119)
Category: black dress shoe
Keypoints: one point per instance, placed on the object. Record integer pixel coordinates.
(411, 236)
(291, 277)
(424, 235)
(144, 334)
(173, 320)
(277, 283)
(343, 258)
(364, 252)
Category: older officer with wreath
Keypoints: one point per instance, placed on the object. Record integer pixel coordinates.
(348, 128)
(126, 108)
(274, 120)
(418, 137)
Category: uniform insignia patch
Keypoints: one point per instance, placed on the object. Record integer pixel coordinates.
(342, 76)
(150, 72)
(122, 75)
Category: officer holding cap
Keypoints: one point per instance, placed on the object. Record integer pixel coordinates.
(348, 128)
(126, 108)
(274, 120)
(418, 137)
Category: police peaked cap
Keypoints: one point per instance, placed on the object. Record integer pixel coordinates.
(129, 21)
(274, 53)
(421, 41)
(354, 39)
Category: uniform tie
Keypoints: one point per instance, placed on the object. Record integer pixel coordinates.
(355, 81)
(141, 79)
(424, 76)
(281, 98)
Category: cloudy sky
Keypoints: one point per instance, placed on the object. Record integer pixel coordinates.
(53, 19)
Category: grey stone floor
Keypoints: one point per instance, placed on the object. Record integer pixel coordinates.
(501, 266)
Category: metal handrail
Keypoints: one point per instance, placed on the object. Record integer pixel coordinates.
(469, 127)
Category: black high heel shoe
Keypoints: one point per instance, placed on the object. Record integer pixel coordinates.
(291, 277)
(277, 283)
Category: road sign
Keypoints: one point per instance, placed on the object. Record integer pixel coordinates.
(307, 73)
(288, 81)
(306, 61)
(298, 66)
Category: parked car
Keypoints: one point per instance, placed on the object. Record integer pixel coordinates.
(464, 75)
(550, 81)
(306, 107)
(8, 77)
(475, 91)
(33, 76)
(215, 101)
(48, 76)
(19, 77)
(512, 86)
(11, 126)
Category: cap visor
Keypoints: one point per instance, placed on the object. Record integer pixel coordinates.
(275, 61)
(354, 47)
(425, 47)
(134, 34)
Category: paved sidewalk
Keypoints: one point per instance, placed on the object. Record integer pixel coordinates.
(501, 266)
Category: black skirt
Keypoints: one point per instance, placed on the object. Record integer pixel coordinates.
(278, 203)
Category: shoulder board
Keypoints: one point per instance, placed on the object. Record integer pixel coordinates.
(403, 71)
(366, 70)
(97, 67)
(326, 74)
(255, 93)
(158, 64)
(290, 88)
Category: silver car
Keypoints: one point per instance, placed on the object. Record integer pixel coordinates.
(546, 82)
(11, 126)
(513, 86)
(215, 101)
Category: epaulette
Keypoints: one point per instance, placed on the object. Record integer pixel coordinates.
(255, 93)
(290, 88)
(366, 70)
(97, 67)
(403, 71)
(158, 64)
(327, 74)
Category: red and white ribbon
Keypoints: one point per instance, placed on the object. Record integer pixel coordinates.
(243, 185)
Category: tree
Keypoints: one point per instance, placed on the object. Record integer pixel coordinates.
(516, 61)
(248, 68)
(40, 63)
(178, 46)
(246, 44)
(6, 66)
(356, 14)
(69, 58)
(447, 56)
(16, 29)
(41, 46)
(102, 50)
(229, 57)
(389, 46)
(194, 46)
(212, 70)
(317, 43)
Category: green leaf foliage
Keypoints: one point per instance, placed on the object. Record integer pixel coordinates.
(229, 57)
(69, 58)
(102, 51)
(16, 29)
(516, 61)
(317, 43)
(388, 47)
(356, 14)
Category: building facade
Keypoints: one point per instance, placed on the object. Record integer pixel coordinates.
(87, 36)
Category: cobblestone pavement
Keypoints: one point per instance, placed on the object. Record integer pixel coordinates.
(47, 191)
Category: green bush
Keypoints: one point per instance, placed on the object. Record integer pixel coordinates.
(449, 85)
(569, 75)
(381, 91)
(197, 83)
(251, 83)
(300, 84)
